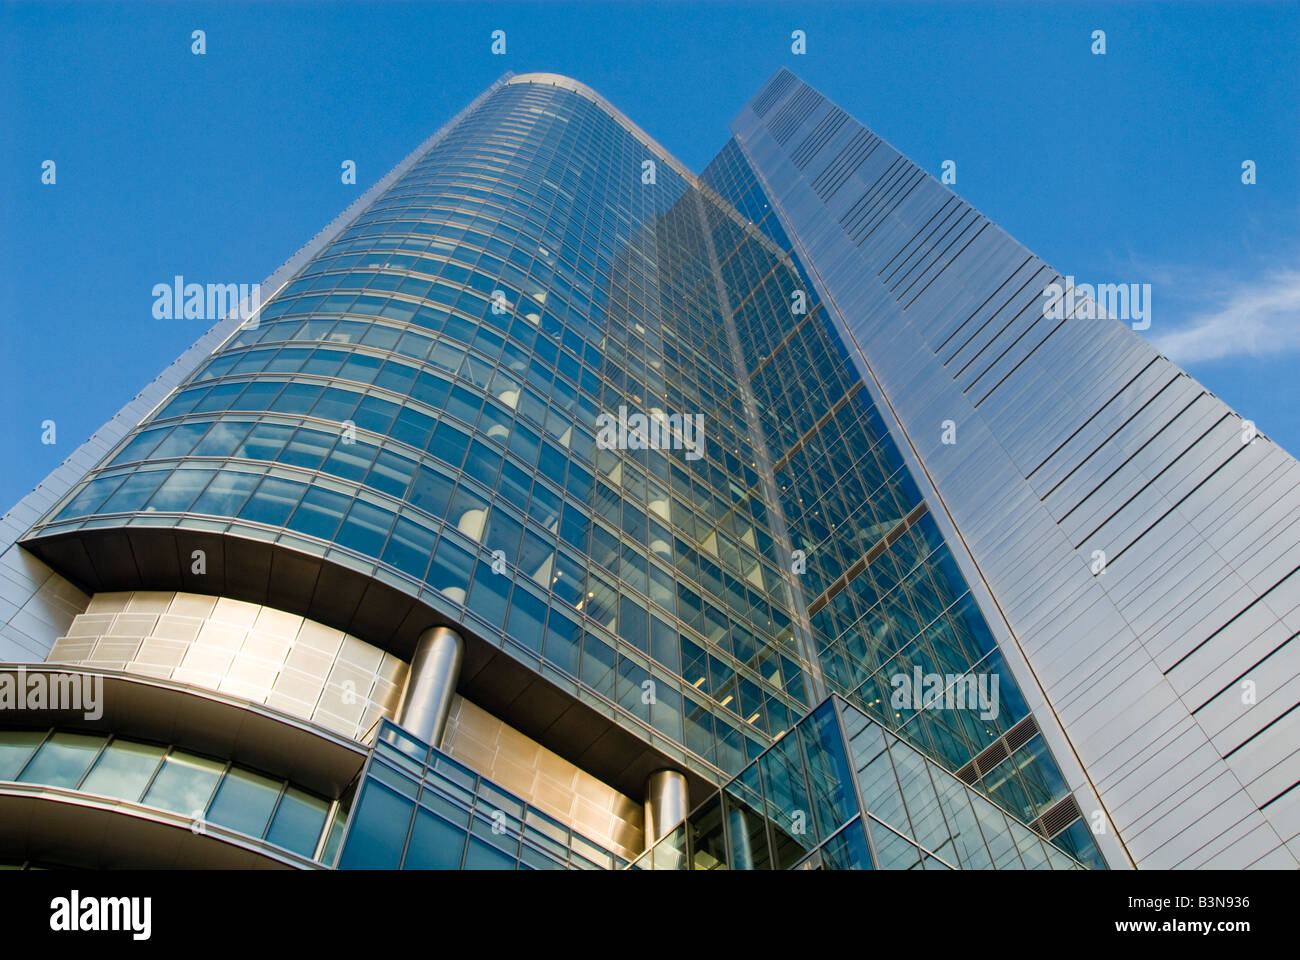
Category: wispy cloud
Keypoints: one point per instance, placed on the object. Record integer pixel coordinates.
(1258, 318)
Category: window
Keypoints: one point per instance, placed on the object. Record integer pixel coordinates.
(184, 784)
(15, 747)
(245, 801)
(124, 769)
(62, 760)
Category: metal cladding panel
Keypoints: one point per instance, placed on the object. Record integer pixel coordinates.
(1074, 436)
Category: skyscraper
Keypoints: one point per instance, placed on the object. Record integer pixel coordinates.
(561, 508)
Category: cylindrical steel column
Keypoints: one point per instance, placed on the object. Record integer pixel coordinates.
(742, 852)
(665, 803)
(435, 669)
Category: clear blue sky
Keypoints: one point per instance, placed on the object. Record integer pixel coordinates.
(1122, 168)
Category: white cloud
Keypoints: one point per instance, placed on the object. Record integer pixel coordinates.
(1258, 319)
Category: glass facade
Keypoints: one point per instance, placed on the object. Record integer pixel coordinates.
(421, 405)
(418, 809)
(841, 792)
(383, 415)
(206, 789)
(884, 596)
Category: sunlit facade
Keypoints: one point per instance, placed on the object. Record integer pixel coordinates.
(368, 582)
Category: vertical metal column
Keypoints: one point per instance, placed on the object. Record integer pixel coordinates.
(431, 683)
(665, 804)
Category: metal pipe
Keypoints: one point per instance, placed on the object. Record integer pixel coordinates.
(431, 684)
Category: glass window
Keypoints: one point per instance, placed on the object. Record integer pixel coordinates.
(319, 513)
(847, 850)
(298, 398)
(272, 502)
(350, 460)
(181, 440)
(971, 852)
(527, 616)
(449, 444)
(412, 428)
(336, 404)
(485, 856)
(365, 529)
(219, 397)
(179, 491)
(244, 802)
(225, 494)
(184, 784)
(378, 832)
(91, 495)
(409, 547)
(563, 642)
(450, 570)
(435, 844)
(123, 769)
(183, 403)
(298, 822)
(488, 599)
(15, 747)
(259, 396)
(391, 474)
(264, 442)
(834, 799)
(746, 836)
(895, 852)
(140, 447)
(375, 414)
(307, 448)
(62, 760)
(222, 439)
(431, 492)
(134, 491)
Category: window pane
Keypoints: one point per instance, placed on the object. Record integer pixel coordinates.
(264, 441)
(484, 856)
(124, 769)
(91, 495)
(272, 501)
(179, 491)
(378, 831)
(848, 851)
(450, 570)
(435, 844)
(132, 494)
(895, 852)
(365, 529)
(298, 822)
(184, 784)
(62, 760)
(225, 494)
(409, 548)
(223, 438)
(244, 802)
(139, 448)
(307, 448)
(319, 513)
(15, 747)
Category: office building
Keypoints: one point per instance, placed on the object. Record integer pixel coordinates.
(562, 508)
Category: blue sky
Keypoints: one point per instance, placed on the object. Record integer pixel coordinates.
(1120, 168)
